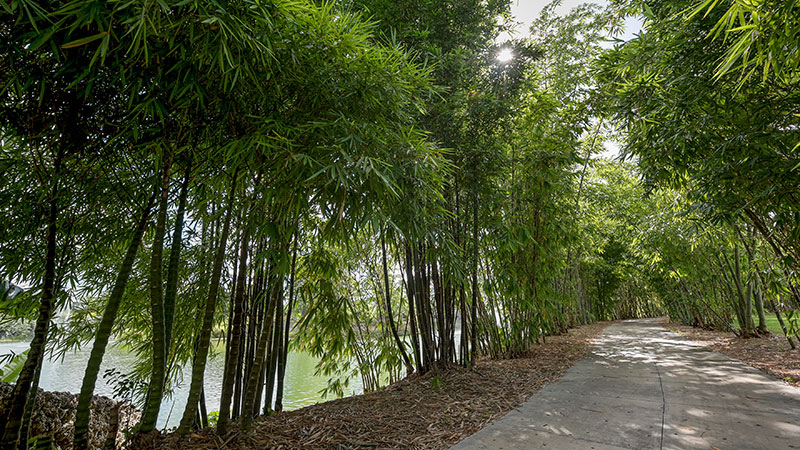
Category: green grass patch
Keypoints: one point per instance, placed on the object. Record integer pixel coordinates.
(772, 322)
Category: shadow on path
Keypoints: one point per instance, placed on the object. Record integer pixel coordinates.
(643, 387)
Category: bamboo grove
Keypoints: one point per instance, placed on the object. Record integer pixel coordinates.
(707, 104)
(365, 181)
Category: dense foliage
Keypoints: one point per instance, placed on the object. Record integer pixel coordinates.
(366, 180)
(722, 144)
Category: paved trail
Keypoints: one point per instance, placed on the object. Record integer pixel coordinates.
(643, 387)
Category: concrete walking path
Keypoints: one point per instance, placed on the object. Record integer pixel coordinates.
(643, 387)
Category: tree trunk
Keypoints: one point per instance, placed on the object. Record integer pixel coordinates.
(232, 357)
(762, 228)
(274, 354)
(423, 311)
(27, 418)
(254, 384)
(157, 376)
(285, 347)
(113, 427)
(12, 420)
(462, 300)
(758, 297)
(200, 357)
(411, 310)
(783, 324)
(739, 294)
(171, 293)
(392, 325)
(203, 411)
(438, 300)
(474, 306)
(82, 414)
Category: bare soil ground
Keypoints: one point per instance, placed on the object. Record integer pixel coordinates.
(412, 413)
(770, 354)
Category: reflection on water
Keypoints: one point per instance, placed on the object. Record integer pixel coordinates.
(301, 387)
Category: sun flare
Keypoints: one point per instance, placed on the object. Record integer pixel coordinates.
(505, 55)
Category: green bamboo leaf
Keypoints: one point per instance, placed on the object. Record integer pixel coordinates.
(10, 372)
(42, 38)
(84, 41)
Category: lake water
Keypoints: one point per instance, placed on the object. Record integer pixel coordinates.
(301, 387)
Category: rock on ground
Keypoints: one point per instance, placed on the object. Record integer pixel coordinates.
(54, 415)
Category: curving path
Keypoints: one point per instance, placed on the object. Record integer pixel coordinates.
(643, 387)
